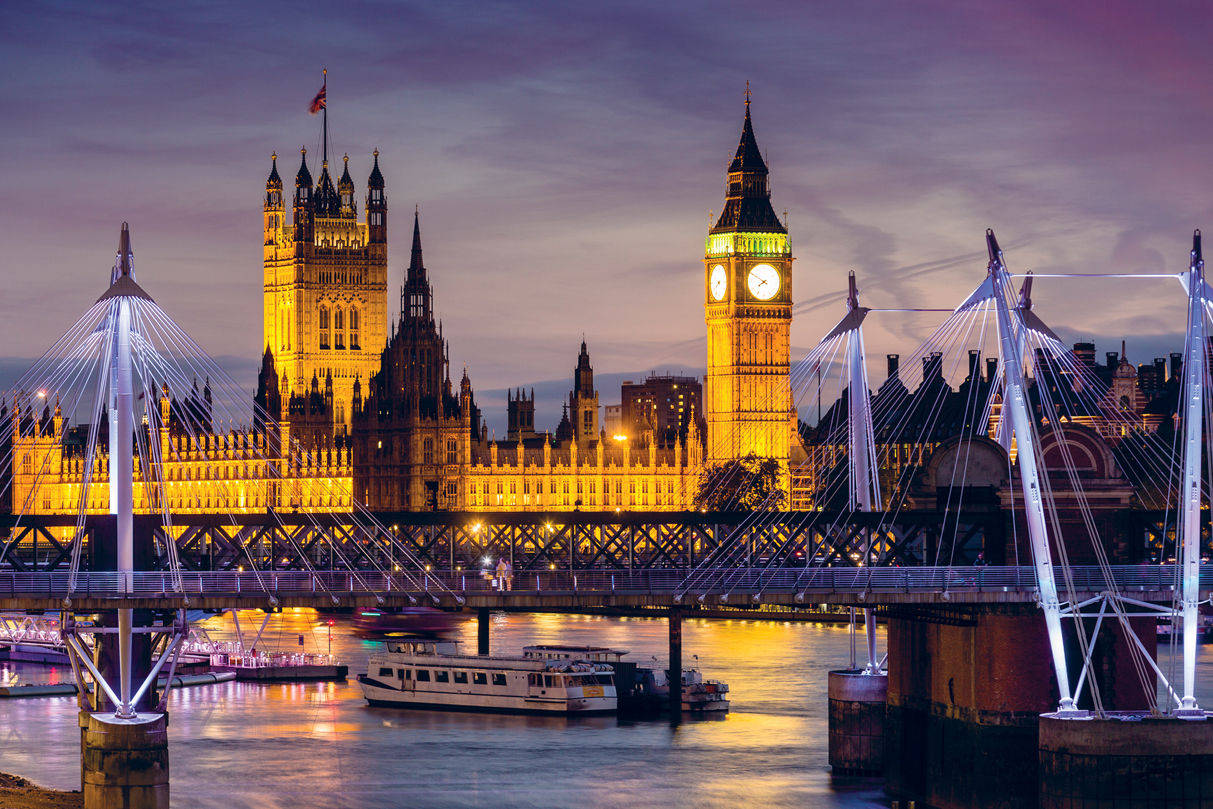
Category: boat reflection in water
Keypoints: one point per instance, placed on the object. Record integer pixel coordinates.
(409, 622)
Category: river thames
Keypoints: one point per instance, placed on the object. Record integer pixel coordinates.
(299, 745)
(304, 745)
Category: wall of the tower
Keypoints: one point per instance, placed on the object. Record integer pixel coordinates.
(325, 305)
(747, 389)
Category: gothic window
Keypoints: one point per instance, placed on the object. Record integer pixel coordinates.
(354, 340)
(587, 419)
(452, 488)
(427, 451)
(339, 411)
(566, 486)
(553, 487)
(26, 466)
(452, 451)
(324, 327)
(526, 486)
(338, 328)
(1124, 403)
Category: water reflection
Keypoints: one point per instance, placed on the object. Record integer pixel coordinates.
(310, 744)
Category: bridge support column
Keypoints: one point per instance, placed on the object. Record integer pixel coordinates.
(966, 689)
(857, 720)
(126, 761)
(482, 631)
(675, 675)
(1092, 763)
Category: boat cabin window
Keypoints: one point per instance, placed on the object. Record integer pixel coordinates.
(547, 680)
(401, 673)
(423, 676)
(442, 676)
(480, 678)
(498, 679)
(461, 677)
(408, 674)
(385, 672)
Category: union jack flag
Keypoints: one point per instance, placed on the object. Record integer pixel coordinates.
(319, 102)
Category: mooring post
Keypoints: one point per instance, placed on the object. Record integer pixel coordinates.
(482, 631)
(675, 675)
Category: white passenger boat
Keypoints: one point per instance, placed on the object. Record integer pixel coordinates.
(433, 674)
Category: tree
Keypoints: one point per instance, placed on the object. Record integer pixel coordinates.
(745, 484)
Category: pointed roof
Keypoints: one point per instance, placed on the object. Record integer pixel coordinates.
(346, 181)
(304, 177)
(748, 157)
(274, 181)
(416, 264)
(328, 203)
(376, 178)
(748, 201)
(122, 277)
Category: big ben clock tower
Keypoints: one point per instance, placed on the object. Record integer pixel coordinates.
(748, 309)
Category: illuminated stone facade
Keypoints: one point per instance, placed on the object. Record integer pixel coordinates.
(203, 471)
(326, 283)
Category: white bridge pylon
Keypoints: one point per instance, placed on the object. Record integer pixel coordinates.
(1019, 330)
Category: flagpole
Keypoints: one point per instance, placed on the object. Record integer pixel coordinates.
(325, 90)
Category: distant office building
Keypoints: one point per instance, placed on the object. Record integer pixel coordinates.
(663, 404)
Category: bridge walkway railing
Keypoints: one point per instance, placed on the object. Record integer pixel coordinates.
(694, 582)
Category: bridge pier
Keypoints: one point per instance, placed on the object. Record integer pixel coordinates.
(482, 631)
(125, 761)
(967, 688)
(1092, 763)
(675, 675)
(857, 722)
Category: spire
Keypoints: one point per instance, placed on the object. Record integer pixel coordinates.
(416, 265)
(345, 188)
(748, 157)
(376, 178)
(304, 177)
(376, 206)
(748, 200)
(304, 211)
(328, 204)
(273, 188)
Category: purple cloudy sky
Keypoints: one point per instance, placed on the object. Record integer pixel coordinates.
(565, 158)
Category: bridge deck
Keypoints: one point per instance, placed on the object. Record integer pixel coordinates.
(582, 588)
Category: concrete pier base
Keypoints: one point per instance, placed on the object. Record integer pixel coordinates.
(1125, 761)
(125, 762)
(857, 719)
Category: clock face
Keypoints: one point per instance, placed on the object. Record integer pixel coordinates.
(719, 282)
(763, 282)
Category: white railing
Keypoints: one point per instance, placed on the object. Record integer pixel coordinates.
(147, 585)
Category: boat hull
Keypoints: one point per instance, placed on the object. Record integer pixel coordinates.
(382, 696)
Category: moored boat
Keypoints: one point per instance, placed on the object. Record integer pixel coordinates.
(433, 674)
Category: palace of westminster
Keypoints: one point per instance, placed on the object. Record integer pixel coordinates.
(377, 417)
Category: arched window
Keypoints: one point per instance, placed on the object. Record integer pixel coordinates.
(355, 342)
(1125, 404)
(339, 411)
(452, 451)
(427, 450)
(324, 327)
(338, 328)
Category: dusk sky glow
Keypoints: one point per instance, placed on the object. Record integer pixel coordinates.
(565, 158)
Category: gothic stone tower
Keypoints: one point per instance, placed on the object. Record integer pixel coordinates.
(325, 287)
(748, 309)
(412, 435)
(583, 400)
